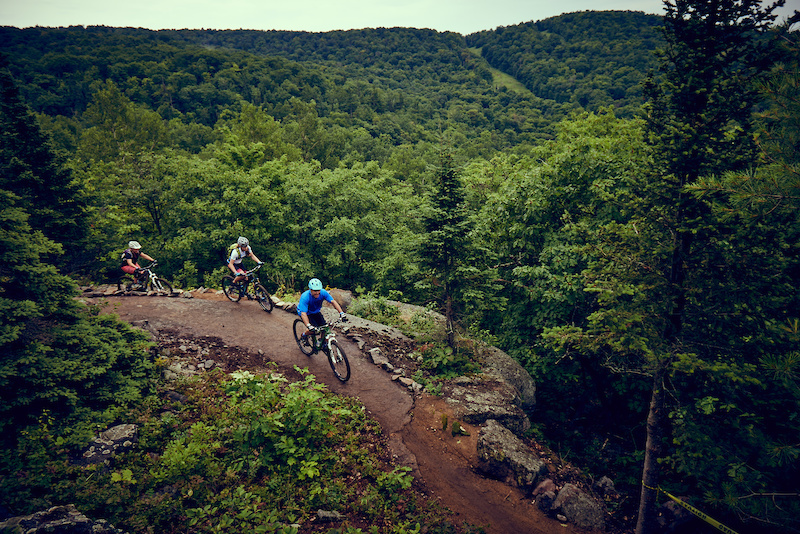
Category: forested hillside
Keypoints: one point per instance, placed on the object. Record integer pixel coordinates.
(627, 228)
(402, 83)
(589, 59)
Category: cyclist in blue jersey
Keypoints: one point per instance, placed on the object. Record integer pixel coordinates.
(310, 306)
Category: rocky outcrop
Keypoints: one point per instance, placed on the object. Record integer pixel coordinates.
(496, 363)
(478, 399)
(503, 391)
(58, 519)
(571, 504)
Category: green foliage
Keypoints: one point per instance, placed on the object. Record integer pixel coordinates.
(191, 454)
(247, 453)
(539, 212)
(138, 106)
(593, 249)
(57, 356)
(443, 361)
(773, 185)
(375, 309)
(675, 284)
(457, 269)
(394, 482)
(31, 169)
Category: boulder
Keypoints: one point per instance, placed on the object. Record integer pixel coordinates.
(497, 363)
(377, 357)
(580, 508)
(605, 488)
(114, 440)
(544, 501)
(673, 517)
(503, 456)
(342, 296)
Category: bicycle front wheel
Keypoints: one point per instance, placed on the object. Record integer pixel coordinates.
(263, 297)
(232, 291)
(125, 282)
(306, 345)
(161, 286)
(338, 361)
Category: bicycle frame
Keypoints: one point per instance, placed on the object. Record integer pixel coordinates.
(323, 338)
(145, 276)
(250, 277)
(150, 272)
(326, 334)
(146, 272)
(236, 290)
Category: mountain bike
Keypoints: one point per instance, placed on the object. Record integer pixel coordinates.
(235, 291)
(144, 279)
(323, 338)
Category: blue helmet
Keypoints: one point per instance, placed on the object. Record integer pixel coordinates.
(314, 284)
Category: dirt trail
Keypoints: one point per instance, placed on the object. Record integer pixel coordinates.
(442, 462)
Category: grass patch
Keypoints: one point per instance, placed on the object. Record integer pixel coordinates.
(501, 79)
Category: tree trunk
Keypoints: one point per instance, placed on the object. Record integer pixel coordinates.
(450, 321)
(645, 523)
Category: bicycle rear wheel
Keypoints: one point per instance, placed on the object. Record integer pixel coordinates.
(338, 361)
(232, 291)
(125, 282)
(306, 345)
(161, 286)
(263, 297)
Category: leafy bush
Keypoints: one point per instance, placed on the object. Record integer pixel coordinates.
(375, 309)
(246, 453)
(445, 361)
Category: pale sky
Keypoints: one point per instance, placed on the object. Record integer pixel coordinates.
(461, 16)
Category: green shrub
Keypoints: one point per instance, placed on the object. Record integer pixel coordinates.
(375, 309)
(245, 453)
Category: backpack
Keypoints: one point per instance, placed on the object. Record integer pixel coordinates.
(134, 258)
(228, 252)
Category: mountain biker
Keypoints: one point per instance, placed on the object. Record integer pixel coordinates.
(238, 253)
(310, 306)
(130, 260)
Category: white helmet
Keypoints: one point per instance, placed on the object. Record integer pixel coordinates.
(242, 241)
(134, 245)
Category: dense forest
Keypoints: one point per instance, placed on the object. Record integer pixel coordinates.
(610, 197)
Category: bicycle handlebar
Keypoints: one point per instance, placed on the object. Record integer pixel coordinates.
(254, 269)
(329, 325)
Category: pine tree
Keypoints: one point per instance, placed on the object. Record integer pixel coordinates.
(700, 121)
(457, 266)
(446, 228)
(30, 169)
(56, 357)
